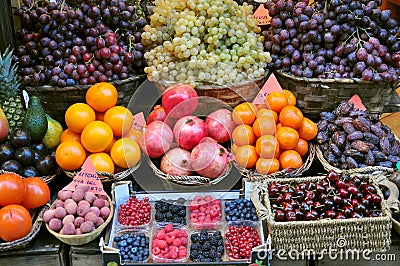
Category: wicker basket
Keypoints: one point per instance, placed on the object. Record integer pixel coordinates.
(77, 240)
(315, 95)
(251, 175)
(363, 170)
(192, 180)
(229, 94)
(56, 100)
(323, 235)
(47, 178)
(23, 242)
(107, 177)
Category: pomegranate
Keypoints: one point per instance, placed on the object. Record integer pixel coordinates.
(179, 100)
(189, 131)
(156, 139)
(209, 159)
(220, 125)
(158, 114)
(176, 162)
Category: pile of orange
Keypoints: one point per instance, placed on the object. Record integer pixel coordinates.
(100, 130)
(271, 136)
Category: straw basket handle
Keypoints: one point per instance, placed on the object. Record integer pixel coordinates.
(392, 203)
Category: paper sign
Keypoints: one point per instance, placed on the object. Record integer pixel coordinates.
(139, 122)
(356, 100)
(271, 85)
(87, 176)
(262, 15)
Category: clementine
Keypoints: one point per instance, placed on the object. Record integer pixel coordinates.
(264, 125)
(308, 129)
(291, 116)
(102, 96)
(287, 138)
(302, 147)
(267, 113)
(78, 116)
(125, 153)
(290, 97)
(290, 159)
(267, 166)
(244, 113)
(277, 100)
(267, 146)
(102, 162)
(246, 156)
(96, 136)
(120, 119)
(70, 155)
(243, 135)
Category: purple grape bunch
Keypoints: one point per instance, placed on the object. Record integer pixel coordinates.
(333, 39)
(79, 42)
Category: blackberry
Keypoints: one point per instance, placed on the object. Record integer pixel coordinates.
(182, 213)
(159, 216)
(195, 238)
(203, 233)
(177, 220)
(175, 209)
(207, 246)
(169, 216)
(213, 255)
(214, 241)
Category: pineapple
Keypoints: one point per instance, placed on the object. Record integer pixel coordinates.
(11, 100)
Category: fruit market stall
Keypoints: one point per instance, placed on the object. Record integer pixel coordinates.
(199, 132)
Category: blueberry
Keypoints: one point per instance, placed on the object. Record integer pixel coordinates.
(125, 257)
(248, 216)
(123, 243)
(129, 240)
(122, 253)
(234, 218)
(117, 239)
(134, 249)
(228, 218)
(136, 244)
(218, 259)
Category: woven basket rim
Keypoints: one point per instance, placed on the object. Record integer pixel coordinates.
(263, 187)
(24, 241)
(75, 240)
(252, 176)
(396, 225)
(214, 85)
(192, 180)
(46, 178)
(361, 170)
(83, 87)
(107, 177)
(326, 80)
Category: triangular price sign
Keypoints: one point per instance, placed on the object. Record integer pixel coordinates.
(87, 176)
(356, 100)
(270, 85)
(262, 15)
(139, 122)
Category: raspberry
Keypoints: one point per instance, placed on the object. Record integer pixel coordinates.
(161, 234)
(193, 216)
(156, 250)
(170, 240)
(161, 244)
(177, 242)
(169, 228)
(182, 254)
(173, 248)
(172, 255)
(208, 198)
(197, 198)
(183, 242)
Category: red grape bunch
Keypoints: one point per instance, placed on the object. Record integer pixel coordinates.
(333, 39)
(79, 42)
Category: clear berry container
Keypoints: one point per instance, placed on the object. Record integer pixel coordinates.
(205, 212)
(234, 210)
(199, 233)
(171, 211)
(134, 213)
(129, 248)
(168, 242)
(238, 224)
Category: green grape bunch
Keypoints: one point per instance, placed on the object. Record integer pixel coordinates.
(213, 40)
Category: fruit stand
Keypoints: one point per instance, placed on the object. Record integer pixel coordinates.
(199, 132)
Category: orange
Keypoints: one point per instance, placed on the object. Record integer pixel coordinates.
(267, 146)
(291, 116)
(264, 125)
(102, 96)
(125, 153)
(277, 100)
(244, 113)
(278, 126)
(246, 156)
(120, 119)
(243, 135)
(302, 147)
(267, 166)
(70, 155)
(96, 136)
(267, 113)
(290, 97)
(234, 148)
(287, 138)
(308, 129)
(133, 134)
(69, 135)
(78, 116)
(290, 159)
(99, 116)
(102, 162)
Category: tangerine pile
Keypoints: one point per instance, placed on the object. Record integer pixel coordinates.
(100, 130)
(271, 136)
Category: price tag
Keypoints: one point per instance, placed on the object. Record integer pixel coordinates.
(270, 85)
(87, 176)
(139, 122)
(356, 100)
(262, 15)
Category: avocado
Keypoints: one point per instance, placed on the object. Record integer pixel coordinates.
(35, 120)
